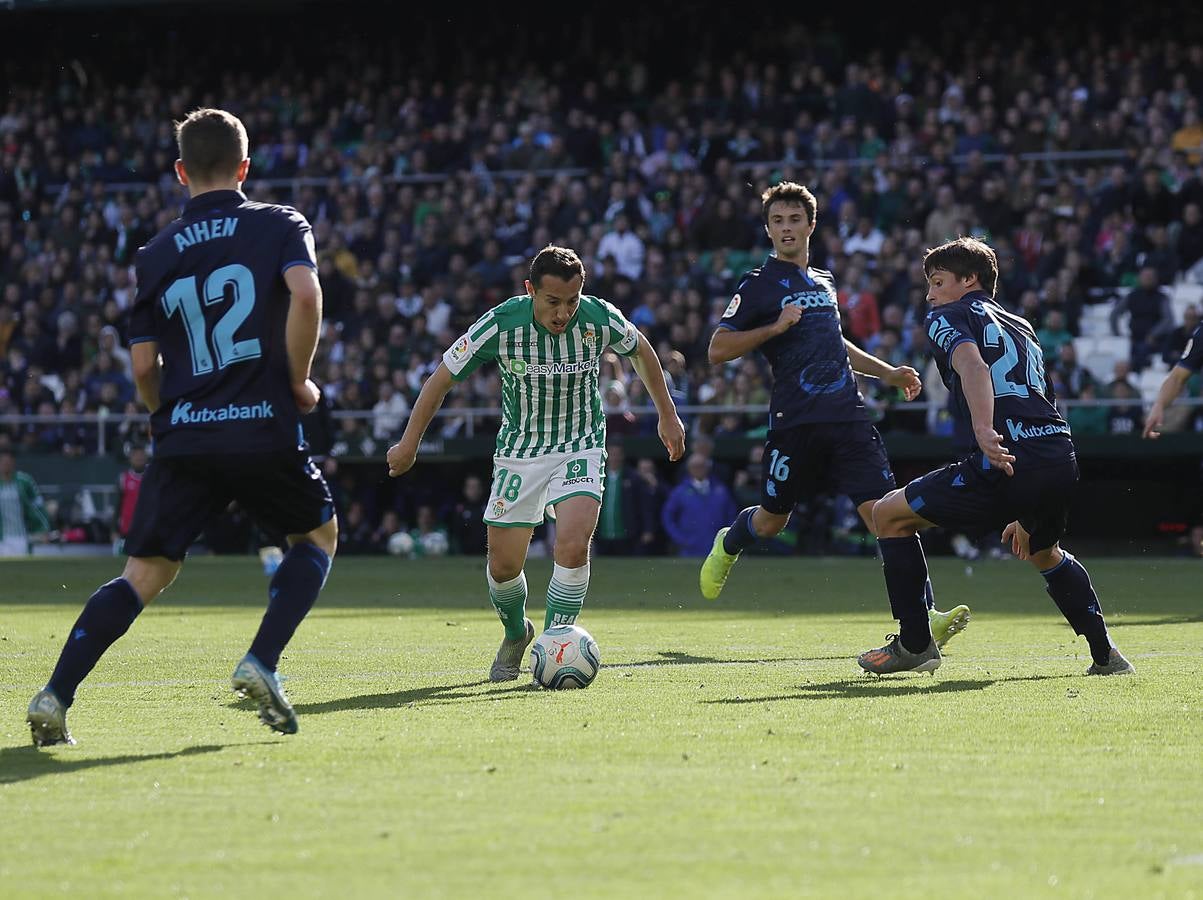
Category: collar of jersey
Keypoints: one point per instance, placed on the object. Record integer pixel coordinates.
(790, 267)
(539, 326)
(214, 198)
(968, 298)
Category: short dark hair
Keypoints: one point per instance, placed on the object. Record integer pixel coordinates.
(212, 143)
(964, 257)
(789, 192)
(562, 262)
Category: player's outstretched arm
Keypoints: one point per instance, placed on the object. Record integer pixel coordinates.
(727, 344)
(979, 394)
(1170, 389)
(401, 455)
(144, 358)
(301, 332)
(903, 377)
(670, 429)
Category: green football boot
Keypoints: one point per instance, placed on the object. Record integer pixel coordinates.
(947, 625)
(716, 567)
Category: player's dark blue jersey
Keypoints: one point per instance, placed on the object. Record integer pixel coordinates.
(211, 293)
(1024, 404)
(812, 377)
(1192, 356)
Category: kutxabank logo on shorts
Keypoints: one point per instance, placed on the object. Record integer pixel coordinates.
(184, 414)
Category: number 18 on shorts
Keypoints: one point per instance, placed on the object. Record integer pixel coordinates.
(523, 488)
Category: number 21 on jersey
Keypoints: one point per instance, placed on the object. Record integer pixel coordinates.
(184, 298)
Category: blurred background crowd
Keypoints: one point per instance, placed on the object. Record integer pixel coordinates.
(432, 169)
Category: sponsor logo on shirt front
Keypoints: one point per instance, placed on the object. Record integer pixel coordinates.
(810, 300)
(521, 367)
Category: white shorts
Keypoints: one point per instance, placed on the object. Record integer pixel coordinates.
(14, 546)
(523, 489)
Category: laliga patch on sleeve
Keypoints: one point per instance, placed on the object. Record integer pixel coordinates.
(732, 307)
(1190, 345)
(460, 350)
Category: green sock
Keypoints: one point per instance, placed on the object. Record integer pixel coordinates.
(565, 595)
(509, 598)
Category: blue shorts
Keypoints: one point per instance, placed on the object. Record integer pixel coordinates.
(842, 457)
(180, 495)
(971, 496)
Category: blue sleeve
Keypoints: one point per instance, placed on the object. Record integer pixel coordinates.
(142, 312)
(668, 516)
(744, 312)
(1192, 356)
(299, 249)
(947, 330)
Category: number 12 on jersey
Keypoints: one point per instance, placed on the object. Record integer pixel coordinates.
(183, 297)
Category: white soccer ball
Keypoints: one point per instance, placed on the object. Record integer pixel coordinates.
(565, 656)
(401, 544)
(434, 543)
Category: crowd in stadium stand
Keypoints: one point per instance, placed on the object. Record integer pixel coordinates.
(428, 196)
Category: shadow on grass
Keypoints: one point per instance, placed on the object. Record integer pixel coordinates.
(1124, 622)
(26, 763)
(435, 693)
(675, 658)
(868, 686)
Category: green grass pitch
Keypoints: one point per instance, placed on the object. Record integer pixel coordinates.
(727, 749)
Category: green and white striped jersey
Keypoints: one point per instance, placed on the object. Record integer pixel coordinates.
(550, 399)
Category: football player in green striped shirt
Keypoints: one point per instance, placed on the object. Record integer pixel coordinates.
(550, 454)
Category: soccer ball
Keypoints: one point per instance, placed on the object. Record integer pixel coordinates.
(434, 543)
(401, 544)
(565, 656)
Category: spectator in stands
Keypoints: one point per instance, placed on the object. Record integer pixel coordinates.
(697, 507)
(129, 486)
(1151, 317)
(1179, 336)
(1086, 419)
(469, 534)
(1190, 241)
(1053, 336)
(22, 511)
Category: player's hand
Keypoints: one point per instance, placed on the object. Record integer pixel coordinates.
(400, 459)
(907, 380)
(1019, 540)
(672, 435)
(992, 446)
(789, 317)
(306, 396)
(1153, 422)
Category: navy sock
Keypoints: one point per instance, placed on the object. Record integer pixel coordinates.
(107, 615)
(293, 591)
(741, 535)
(906, 576)
(1068, 583)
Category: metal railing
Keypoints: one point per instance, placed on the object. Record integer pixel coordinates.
(106, 421)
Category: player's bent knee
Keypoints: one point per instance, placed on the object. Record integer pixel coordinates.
(149, 576)
(767, 524)
(324, 537)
